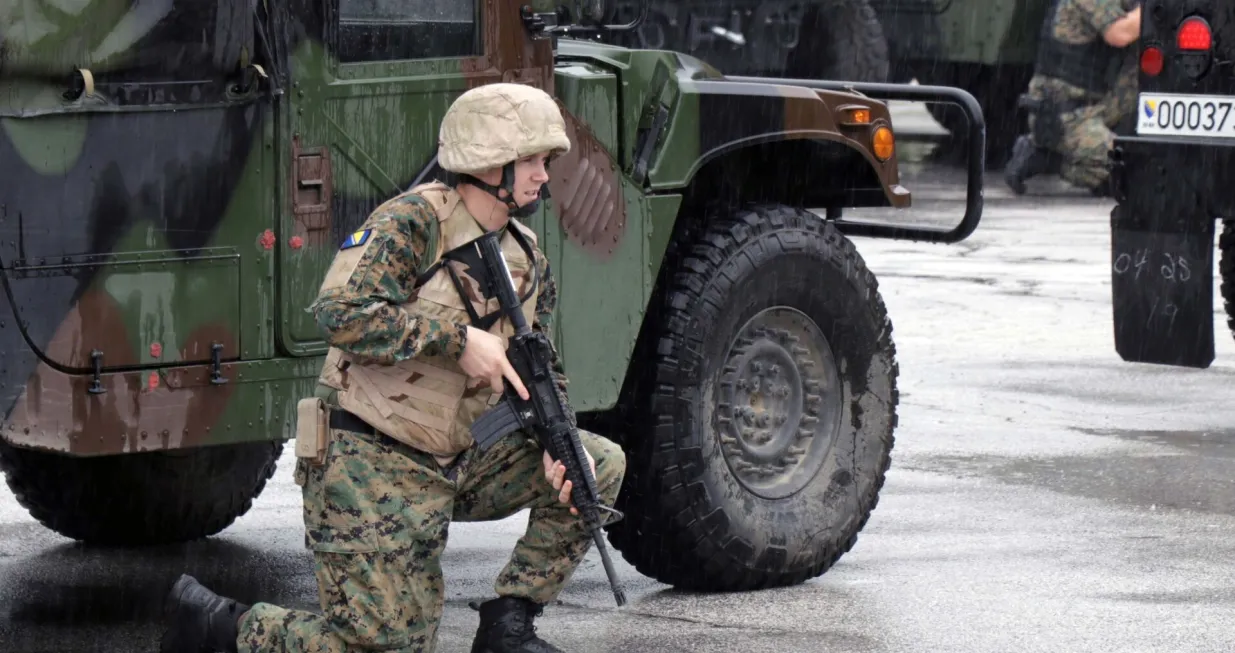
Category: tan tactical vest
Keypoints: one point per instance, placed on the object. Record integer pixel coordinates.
(426, 402)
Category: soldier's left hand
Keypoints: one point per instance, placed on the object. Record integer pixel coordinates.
(555, 473)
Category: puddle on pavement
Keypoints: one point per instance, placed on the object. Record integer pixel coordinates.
(1195, 470)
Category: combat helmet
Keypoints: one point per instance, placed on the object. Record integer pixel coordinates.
(495, 125)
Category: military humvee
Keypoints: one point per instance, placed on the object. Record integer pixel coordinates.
(986, 47)
(850, 40)
(176, 186)
(1171, 179)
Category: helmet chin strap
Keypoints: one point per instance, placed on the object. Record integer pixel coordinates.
(508, 185)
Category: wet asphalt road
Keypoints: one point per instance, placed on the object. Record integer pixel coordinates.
(1043, 496)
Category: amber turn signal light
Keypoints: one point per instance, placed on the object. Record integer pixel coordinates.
(883, 143)
(853, 115)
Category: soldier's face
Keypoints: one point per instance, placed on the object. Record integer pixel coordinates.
(531, 172)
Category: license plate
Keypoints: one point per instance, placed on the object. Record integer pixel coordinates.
(1185, 115)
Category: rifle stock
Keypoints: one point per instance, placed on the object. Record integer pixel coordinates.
(544, 413)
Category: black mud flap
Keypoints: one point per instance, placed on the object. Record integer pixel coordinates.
(1162, 246)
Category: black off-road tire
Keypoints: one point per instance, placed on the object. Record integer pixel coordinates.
(1226, 270)
(143, 498)
(695, 517)
(840, 40)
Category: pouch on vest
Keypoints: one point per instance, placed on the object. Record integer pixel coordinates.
(312, 430)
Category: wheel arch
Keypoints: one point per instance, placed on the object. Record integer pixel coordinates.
(825, 172)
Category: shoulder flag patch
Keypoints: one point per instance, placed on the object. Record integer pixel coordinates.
(357, 239)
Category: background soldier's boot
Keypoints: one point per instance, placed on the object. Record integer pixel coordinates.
(1027, 160)
(506, 627)
(199, 620)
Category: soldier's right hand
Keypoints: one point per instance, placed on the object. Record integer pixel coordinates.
(484, 358)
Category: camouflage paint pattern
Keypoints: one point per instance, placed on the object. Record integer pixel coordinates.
(149, 220)
(1087, 130)
(377, 515)
(707, 123)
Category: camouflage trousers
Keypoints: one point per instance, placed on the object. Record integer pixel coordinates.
(1086, 132)
(1086, 140)
(376, 517)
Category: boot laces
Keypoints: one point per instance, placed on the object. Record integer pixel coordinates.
(522, 627)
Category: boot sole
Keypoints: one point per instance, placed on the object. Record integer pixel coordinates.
(1018, 187)
(1013, 181)
(173, 638)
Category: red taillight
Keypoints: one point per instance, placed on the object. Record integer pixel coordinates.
(1194, 35)
(1151, 61)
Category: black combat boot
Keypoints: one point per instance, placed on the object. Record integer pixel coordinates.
(199, 620)
(1027, 161)
(506, 627)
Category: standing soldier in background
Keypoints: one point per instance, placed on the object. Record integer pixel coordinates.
(412, 330)
(1084, 83)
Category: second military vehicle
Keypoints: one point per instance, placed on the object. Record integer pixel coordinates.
(986, 47)
(176, 185)
(1171, 179)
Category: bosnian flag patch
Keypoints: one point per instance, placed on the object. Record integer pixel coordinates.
(357, 239)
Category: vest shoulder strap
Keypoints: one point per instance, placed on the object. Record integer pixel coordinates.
(441, 197)
(524, 229)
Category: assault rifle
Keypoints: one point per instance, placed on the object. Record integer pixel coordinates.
(543, 413)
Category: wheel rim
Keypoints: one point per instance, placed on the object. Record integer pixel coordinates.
(779, 400)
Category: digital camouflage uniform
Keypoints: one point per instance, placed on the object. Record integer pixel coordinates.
(1084, 127)
(377, 510)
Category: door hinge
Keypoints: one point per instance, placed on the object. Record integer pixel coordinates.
(216, 366)
(96, 384)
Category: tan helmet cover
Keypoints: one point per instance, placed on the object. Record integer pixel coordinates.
(492, 125)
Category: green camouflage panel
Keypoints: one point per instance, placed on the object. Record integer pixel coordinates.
(377, 515)
(248, 204)
(992, 32)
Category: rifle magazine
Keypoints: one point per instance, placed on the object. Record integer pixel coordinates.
(495, 424)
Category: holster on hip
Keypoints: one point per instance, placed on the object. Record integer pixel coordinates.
(312, 430)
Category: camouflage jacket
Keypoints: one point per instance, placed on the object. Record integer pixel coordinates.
(365, 316)
(1079, 22)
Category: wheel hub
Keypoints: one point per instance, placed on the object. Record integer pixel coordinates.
(778, 404)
